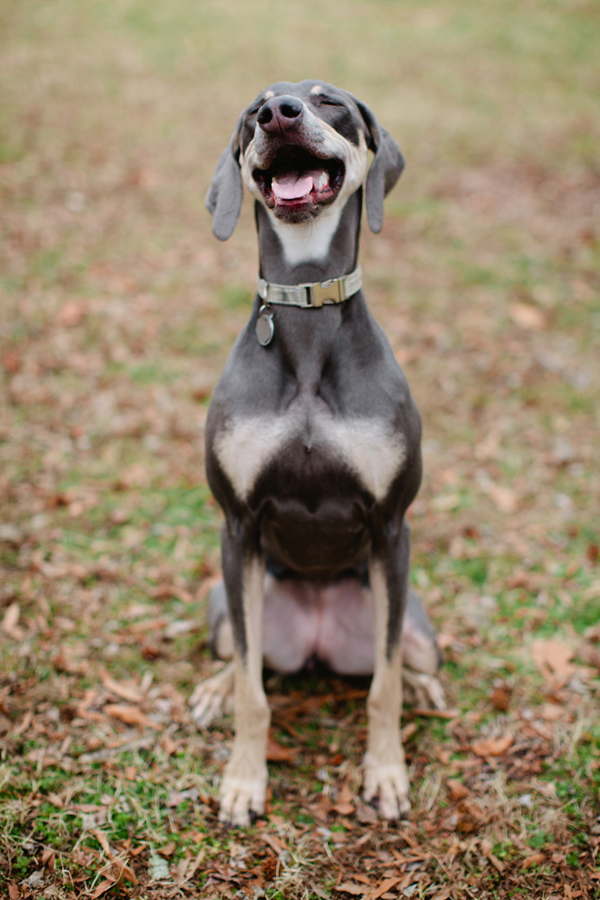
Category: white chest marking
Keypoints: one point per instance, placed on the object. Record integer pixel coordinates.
(367, 446)
(244, 447)
(308, 240)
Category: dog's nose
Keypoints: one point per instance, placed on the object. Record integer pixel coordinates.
(280, 114)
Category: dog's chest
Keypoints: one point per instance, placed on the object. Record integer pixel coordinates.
(368, 447)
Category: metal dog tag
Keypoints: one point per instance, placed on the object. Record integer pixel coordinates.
(265, 329)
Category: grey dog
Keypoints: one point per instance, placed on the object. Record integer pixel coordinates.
(312, 444)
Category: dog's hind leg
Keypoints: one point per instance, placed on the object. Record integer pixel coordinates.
(213, 697)
(421, 657)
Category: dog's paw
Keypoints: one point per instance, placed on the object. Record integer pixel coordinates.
(423, 690)
(242, 797)
(388, 784)
(213, 697)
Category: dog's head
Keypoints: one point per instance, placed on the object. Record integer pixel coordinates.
(300, 148)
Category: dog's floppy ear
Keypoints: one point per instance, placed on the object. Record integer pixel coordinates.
(385, 170)
(224, 198)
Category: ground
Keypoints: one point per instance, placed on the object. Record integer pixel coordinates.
(117, 313)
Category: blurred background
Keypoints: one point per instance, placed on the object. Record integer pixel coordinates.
(118, 309)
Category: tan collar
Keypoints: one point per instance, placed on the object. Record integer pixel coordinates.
(313, 294)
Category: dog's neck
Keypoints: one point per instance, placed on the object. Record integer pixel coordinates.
(314, 251)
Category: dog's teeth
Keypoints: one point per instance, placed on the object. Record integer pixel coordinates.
(320, 179)
(323, 180)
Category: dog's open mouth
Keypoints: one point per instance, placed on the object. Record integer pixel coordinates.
(296, 179)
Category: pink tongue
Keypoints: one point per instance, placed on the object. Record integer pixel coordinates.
(292, 186)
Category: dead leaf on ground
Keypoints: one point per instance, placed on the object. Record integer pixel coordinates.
(131, 715)
(503, 497)
(492, 746)
(351, 887)
(10, 620)
(500, 698)
(527, 316)
(276, 752)
(273, 842)
(102, 888)
(551, 712)
(365, 814)
(553, 658)
(71, 314)
(64, 662)
(48, 858)
(384, 887)
(444, 894)
(536, 859)
(344, 804)
(124, 691)
(457, 790)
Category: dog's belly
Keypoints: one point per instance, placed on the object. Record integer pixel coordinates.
(333, 623)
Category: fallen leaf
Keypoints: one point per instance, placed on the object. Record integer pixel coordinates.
(125, 692)
(531, 581)
(536, 859)
(351, 887)
(63, 662)
(167, 745)
(553, 658)
(10, 620)
(276, 752)
(320, 892)
(344, 804)
(13, 891)
(273, 842)
(551, 712)
(12, 362)
(123, 872)
(458, 791)
(48, 858)
(71, 314)
(444, 894)
(131, 715)
(196, 863)
(344, 809)
(436, 713)
(527, 316)
(500, 698)
(492, 746)
(382, 888)
(24, 723)
(102, 888)
(503, 497)
(365, 814)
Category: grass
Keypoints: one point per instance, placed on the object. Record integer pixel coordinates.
(117, 311)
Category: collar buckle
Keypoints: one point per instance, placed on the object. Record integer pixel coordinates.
(330, 291)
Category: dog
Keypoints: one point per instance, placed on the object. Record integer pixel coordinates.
(312, 444)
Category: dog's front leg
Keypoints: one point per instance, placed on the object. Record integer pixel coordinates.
(244, 785)
(385, 769)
